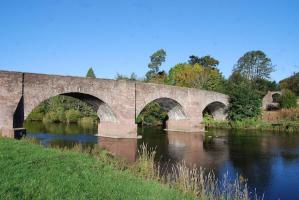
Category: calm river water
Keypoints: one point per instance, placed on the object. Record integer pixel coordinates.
(269, 161)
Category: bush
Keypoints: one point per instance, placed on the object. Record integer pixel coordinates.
(51, 117)
(87, 122)
(152, 114)
(37, 114)
(288, 99)
(61, 114)
(244, 103)
(73, 116)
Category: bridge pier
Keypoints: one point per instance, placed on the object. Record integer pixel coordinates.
(117, 129)
(184, 125)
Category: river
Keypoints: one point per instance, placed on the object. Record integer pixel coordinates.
(270, 161)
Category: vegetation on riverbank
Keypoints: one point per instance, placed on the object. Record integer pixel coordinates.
(286, 120)
(33, 172)
(63, 109)
(30, 171)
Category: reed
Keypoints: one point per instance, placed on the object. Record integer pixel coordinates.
(281, 115)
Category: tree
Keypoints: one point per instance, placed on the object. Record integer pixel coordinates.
(254, 65)
(244, 103)
(262, 86)
(152, 114)
(205, 61)
(157, 59)
(291, 83)
(196, 76)
(288, 99)
(133, 77)
(90, 73)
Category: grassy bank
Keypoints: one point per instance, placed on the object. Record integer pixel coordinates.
(254, 124)
(30, 171)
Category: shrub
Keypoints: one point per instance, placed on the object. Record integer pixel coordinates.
(87, 122)
(61, 114)
(244, 103)
(51, 117)
(37, 114)
(152, 114)
(72, 116)
(288, 99)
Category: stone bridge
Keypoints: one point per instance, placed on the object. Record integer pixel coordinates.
(117, 103)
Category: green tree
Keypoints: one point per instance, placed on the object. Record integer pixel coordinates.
(262, 86)
(205, 61)
(133, 77)
(90, 73)
(152, 114)
(291, 83)
(156, 60)
(244, 103)
(288, 99)
(73, 116)
(196, 76)
(254, 65)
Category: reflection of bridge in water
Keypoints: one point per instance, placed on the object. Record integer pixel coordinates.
(191, 148)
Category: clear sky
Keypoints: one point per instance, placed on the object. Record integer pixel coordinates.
(67, 37)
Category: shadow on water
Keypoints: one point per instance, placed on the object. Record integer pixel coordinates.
(269, 161)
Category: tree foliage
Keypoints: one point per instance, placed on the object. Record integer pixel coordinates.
(152, 114)
(244, 103)
(156, 60)
(288, 99)
(90, 73)
(205, 61)
(132, 77)
(196, 76)
(262, 86)
(254, 65)
(291, 83)
(55, 109)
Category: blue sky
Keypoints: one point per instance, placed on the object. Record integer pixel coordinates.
(68, 36)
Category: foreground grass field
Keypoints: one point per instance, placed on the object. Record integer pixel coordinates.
(30, 171)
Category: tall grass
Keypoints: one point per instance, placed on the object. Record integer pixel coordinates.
(282, 121)
(198, 182)
(281, 115)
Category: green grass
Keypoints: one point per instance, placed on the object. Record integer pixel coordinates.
(254, 124)
(30, 171)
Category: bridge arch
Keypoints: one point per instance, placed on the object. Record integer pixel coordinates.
(174, 109)
(103, 110)
(216, 109)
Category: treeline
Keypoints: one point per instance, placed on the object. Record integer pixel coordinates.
(247, 85)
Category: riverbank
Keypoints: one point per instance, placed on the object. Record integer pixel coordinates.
(254, 124)
(31, 171)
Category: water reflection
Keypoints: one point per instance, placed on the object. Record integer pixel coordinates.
(125, 148)
(269, 161)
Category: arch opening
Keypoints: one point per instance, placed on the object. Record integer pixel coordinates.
(273, 103)
(216, 110)
(102, 109)
(87, 106)
(158, 111)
